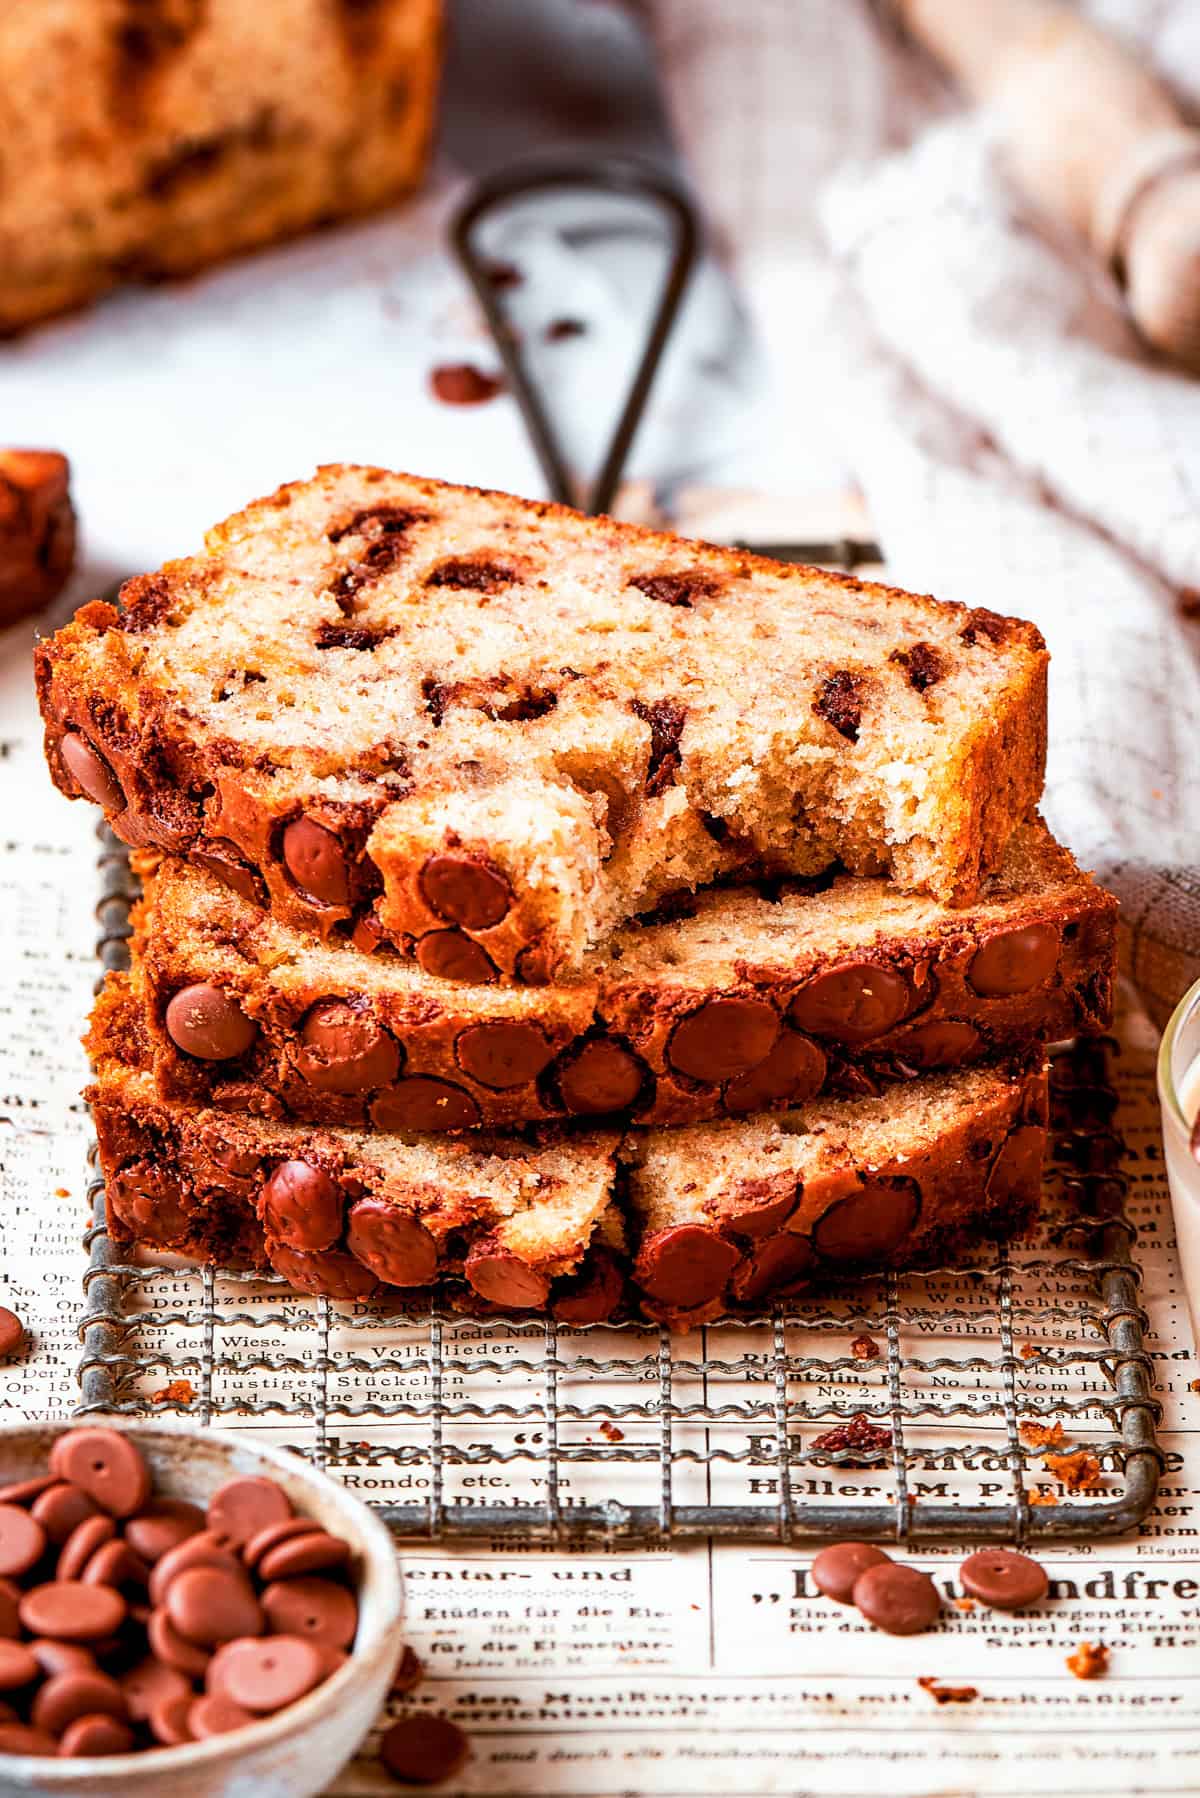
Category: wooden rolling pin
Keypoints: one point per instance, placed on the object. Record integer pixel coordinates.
(1093, 137)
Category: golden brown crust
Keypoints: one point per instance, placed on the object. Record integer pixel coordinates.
(210, 127)
(545, 737)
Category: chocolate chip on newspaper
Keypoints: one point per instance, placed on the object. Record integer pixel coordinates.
(316, 861)
(422, 1750)
(591, 1295)
(330, 1273)
(396, 1247)
(315, 1552)
(69, 1611)
(22, 1540)
(502, 1055)
(685, 1265)
(60, 1508)
(208, 1605)
(901, 1600)
(1014, 961)
(18, 1667)
(150, 1684)
(108, 1466)
(870, 1222)
(503, 1278)
(93, 1735)
(301, 1206)
(423, 1103)
(1003, 1579)
(162, 1526)
(266, 1674)
(793, 1072)
(216, 1716)
(602, 1077)
(245, 1506)
(90, 772)
(209, 1024)
(12, 1334)
(465, 890)
(344, 1049)
(945, 1043)
(724, 1038)
(317, 1609)
(851, 1003)
(453, 955)
(835, 1570)
(82, 1693)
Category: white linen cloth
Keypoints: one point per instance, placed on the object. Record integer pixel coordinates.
(977, 376)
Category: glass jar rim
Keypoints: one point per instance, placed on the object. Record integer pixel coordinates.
(1168, 1091)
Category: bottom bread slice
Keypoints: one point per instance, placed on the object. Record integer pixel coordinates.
(687, 1224)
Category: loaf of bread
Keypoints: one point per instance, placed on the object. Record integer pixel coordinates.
(148, 138)
(750, 1000)
(37, 529)
(488, 730)
(704, 1220)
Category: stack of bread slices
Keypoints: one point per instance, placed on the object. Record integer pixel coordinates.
(587, 920)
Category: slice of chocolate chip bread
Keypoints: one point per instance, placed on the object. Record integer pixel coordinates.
(724, 1215)
(711, 1219)
(488, 730)
(526, 1224)
(145, 138)
(749, 1001)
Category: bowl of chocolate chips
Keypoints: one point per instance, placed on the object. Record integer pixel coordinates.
(184, 1613)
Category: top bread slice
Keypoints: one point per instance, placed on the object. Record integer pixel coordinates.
(490, 729)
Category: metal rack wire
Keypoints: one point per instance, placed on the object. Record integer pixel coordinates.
(462, 1428)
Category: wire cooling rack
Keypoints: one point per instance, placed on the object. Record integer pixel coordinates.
(908, 1407)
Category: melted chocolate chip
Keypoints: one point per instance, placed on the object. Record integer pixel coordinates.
(925, 665)
(666, 720)
(840, 703)
(473, 574)
(675, 589)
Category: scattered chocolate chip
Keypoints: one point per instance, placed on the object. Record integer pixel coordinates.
(69, 1611)
(723, 1038)
(311, 1551)
(221, 858)
(266, 1675)
(591, 1295)
(410, 1671)
(245, 1506)
(461, 384)
(776, 1264)
(95, 1735)
(472, 574)
(559, 329)
(383, 520)
(327, 1272)
(901, 1600)
(107, 1465)
(837, 1567)
(944, 1043)
(1017, 1170)
(1003, 1579)
(991, 626)
(840, 703)
(871, 1222)
(209, 1024)
(423, 1750)
(316, 1609)
(351, 636)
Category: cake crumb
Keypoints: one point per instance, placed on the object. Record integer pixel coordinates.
(1194, 1385)
(62, 1192)
(963, 1604)
(946, 1694)
(1089, 1660)
(865, 1348)
(1079, 1471)
(868, 1441)
(610, 1430)
(1043, 1435)
(1043, 1497)
(1030, 1351)
(178, 1392)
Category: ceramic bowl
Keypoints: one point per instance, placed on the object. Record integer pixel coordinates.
(298, 1751)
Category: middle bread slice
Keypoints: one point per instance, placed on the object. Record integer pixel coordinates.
(749, 1000)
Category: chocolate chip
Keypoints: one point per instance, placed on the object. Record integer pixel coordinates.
(203, 1550)
(107, 1465)
(344, 1050)
(150, 1205)
(793, 1072)
(559, 329)
(675, 589)
(472, 574)
(993, 627)
(216, 1716)
(462, 384)
(95, 1735)
(90, 772)
(598, 1078)
(60, 1508)
(774, 1265)
(329, 1273)
(19, 1738)
(900, 1600)
(422, 1750)
(835, 1570)
(79, 1693)
(162, 1526)
(666, 718)
(1014, 961)
(723, 1038)
(245, 1506)
(925, 665)
(760, 1207)
(945, 1043)
(313, 1551)
(1003, 1579)
(208, 1605)
(60, 1657)
(87, 1536)
(209, 1024)
(685, 1265)
(12, 1335)
(22, 1492)
(423, 1103)
(503, 1278)
(840, 703)
(851, 1003)
(301, 1206)
(502, 1055)
(115, 1564)
(351, 636)
(314, 1608)
(222, 860)
(452, 955)
(392, 1244)
(591, 1295)
(1017, 1170)
(258, 1546)
(69, 1611)
(152, 1683)
(169, 1720)
(383, 520)
(871, 1222)
(316, 861)
(172, 1648)
(466, 890)
(265, 1675)
(18, 1667)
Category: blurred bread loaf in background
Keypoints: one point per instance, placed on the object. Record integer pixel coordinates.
(141, 139)
(37, 530)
